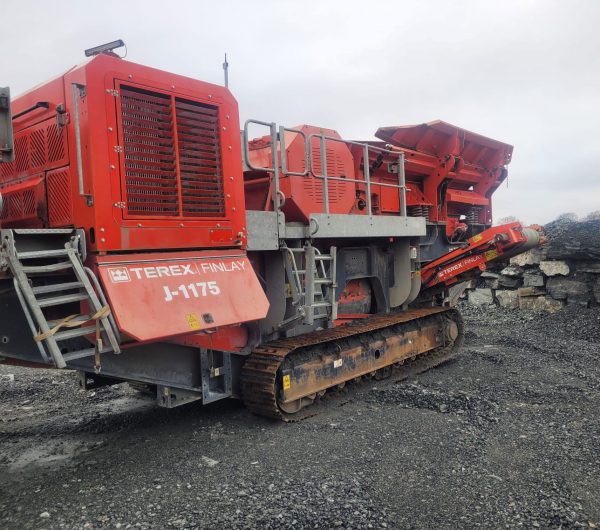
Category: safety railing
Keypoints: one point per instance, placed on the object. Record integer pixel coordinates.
(401, 186)
(277, 138)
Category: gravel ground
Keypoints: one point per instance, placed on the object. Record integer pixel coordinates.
(504, 436)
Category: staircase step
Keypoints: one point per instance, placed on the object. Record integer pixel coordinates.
(88, 352)
(55, 287)
(43, 253)
(74, 333)
(59, 300)
(323, 281)
(32, 269)
(79, 318)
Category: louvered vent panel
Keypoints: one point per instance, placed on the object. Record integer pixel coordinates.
(55, 142)
(335, 168)
(22, 156)
(38, 148)
(149, 154)
(7, 170)
(199, 159)
(59, 198)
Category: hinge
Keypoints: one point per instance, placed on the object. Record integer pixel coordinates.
(112, 92)
(118, 149)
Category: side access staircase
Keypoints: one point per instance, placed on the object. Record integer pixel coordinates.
(311, 275)
(53, 286)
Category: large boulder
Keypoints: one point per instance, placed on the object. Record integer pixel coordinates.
(554, 268)
(569, 289)
(540, 303)
(530, 291)
(508, 299)
(531, 257)
(481, 297)
(512, 270)
(531, 279)
(511, 282)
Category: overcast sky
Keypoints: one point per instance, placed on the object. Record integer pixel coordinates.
(526, 72)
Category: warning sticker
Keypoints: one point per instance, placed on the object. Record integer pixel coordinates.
(287, 382)
(192, 320)
(490, 255)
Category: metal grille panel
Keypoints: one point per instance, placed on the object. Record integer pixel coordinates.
(149, 153)
(199, 159)
(59, 198)
(172, 158)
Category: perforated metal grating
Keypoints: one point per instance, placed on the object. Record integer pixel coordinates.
(171, 156)
(199, 159)
(335, 168)
(59, 203)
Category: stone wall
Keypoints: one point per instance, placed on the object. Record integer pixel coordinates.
(566, 270)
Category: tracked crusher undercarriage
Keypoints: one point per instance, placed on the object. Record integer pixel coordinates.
(282, 378)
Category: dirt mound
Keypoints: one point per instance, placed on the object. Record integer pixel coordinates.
(573, 239)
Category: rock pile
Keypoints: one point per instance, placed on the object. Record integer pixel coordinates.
(566, 270)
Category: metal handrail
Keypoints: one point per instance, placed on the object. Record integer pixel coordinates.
(277, 135)
(401, 186)
(274, 160)
(284, 169)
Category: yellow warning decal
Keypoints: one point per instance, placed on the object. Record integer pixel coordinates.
(192, 320)
(476, 238)
(490, 255)
(287, 382)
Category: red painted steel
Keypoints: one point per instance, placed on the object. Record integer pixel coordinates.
(303, 195)
(490, 245)
(451, 174)
(161, 158)
(154, 296)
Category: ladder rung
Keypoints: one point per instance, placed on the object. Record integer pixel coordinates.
(80, 318)
(73, 333)
(59, 300)
(42, 289)
(42, 253)
(323, 257)
(321, 304)
(48, 268)
(323, 280)
(88, 352)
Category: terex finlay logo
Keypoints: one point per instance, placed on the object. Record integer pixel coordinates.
(119, 274)
(127, 274)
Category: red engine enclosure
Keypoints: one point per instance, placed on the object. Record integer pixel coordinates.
(160, 163)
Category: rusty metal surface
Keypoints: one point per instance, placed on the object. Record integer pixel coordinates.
(262, 371)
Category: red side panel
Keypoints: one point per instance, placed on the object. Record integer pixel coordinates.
(153, 296)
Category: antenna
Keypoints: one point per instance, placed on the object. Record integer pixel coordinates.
(226, 72)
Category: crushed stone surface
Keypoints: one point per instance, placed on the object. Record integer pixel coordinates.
(506, 435)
